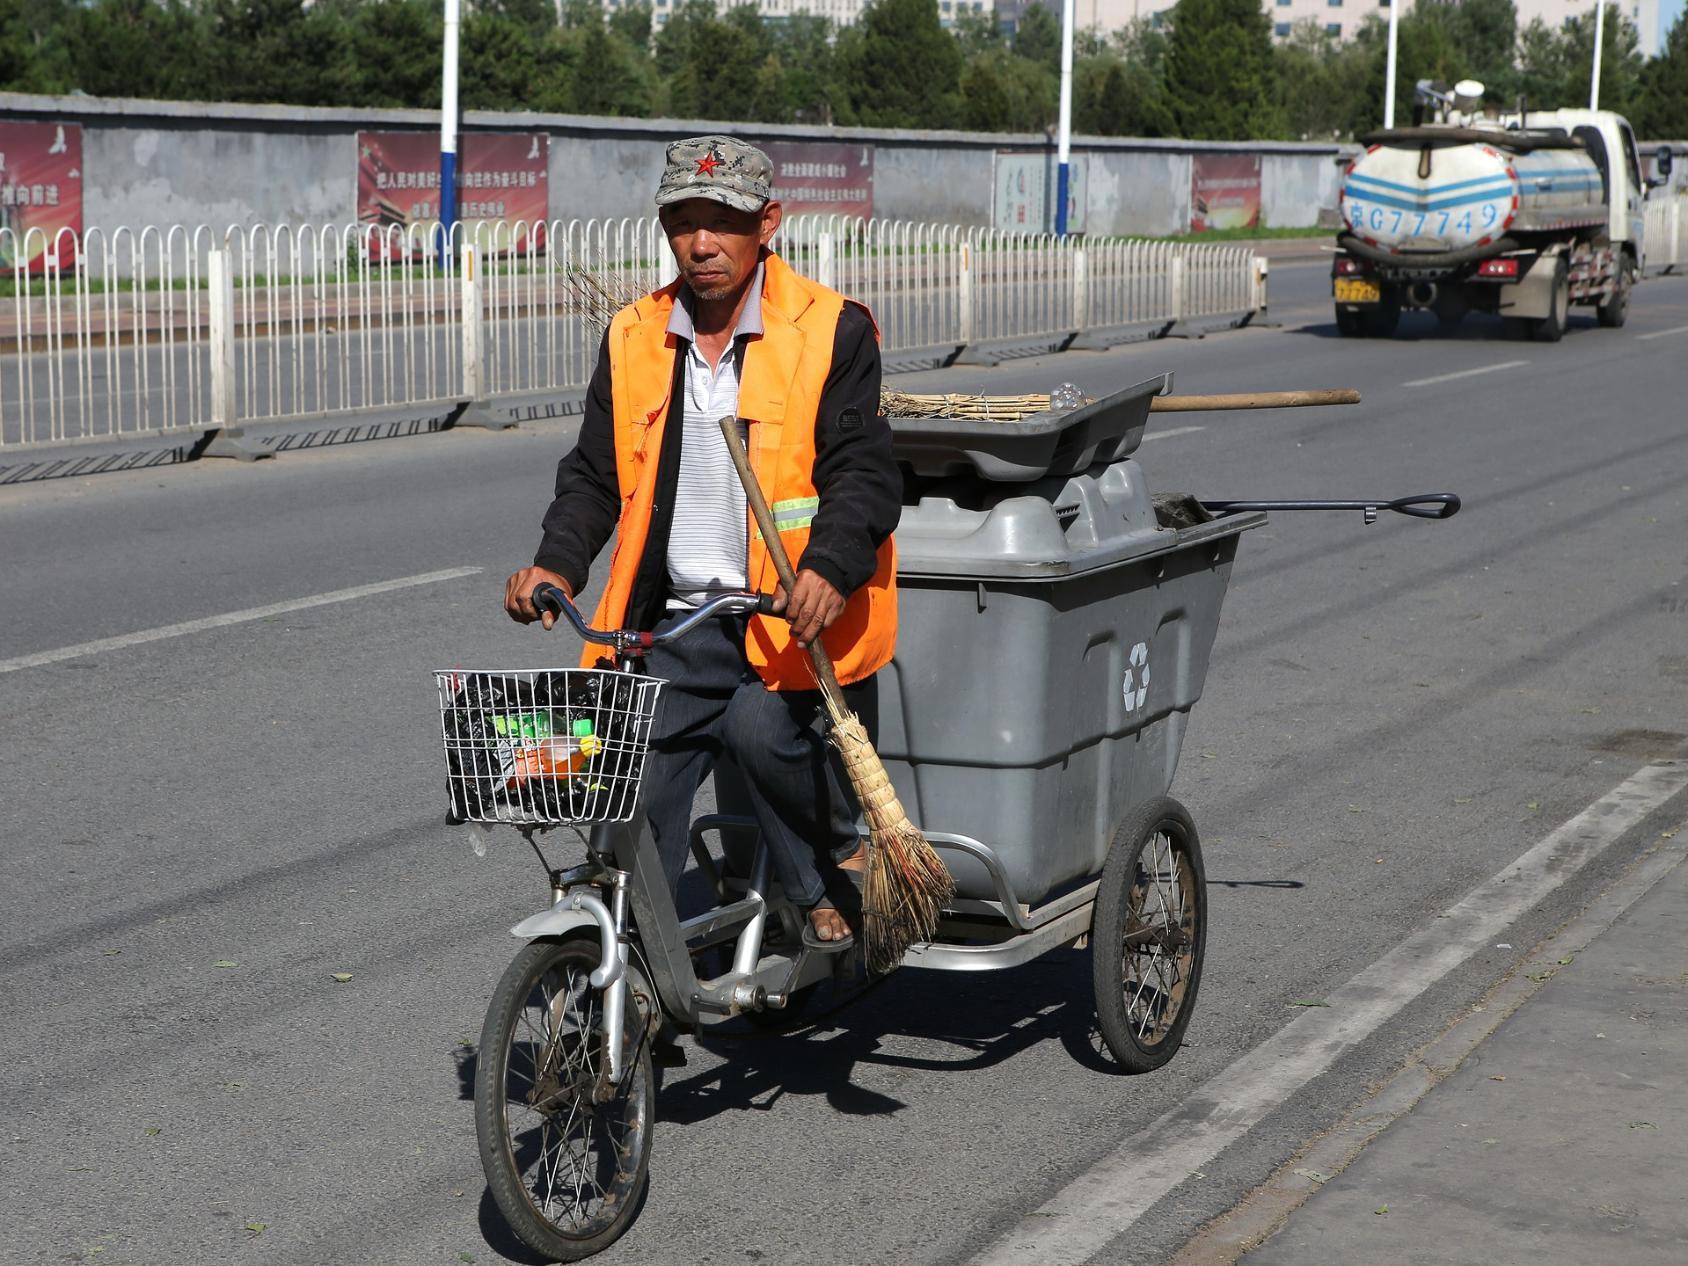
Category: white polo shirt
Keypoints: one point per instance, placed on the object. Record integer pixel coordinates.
(709, 536)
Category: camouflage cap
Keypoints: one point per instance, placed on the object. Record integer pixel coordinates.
(719, 168)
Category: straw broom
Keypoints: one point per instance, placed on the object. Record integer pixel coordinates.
(907, 883)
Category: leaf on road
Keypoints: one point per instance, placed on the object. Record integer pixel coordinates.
(1497, 1077)
(1313, 1175)
(342, 977)
(465, 1257)
(225, 962)
(112, 953)
(1642, 1125)
(257, 1228)
(1462, 799)
(1539, 976)
(1564, 962)
(153, 1131)
(1382, 1208)
(1309, 1002)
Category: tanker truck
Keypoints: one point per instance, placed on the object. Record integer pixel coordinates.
(1473, 210)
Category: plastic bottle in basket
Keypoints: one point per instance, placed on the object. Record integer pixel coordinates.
(558, 757)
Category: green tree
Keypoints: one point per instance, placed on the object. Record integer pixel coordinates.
(976, 33)
(633, 23)
(1038, 37)
(905, 69)
(277, 50)
(499, 63)
(1219, 71)
(804, 45)
(395, 48)
(1004, 92)
(1662, 111)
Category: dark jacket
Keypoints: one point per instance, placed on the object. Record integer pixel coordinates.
(857, 480)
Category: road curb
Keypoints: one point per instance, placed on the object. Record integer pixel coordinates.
(1264, 1211)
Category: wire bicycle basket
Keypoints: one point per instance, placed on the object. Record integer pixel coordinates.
(545, 748)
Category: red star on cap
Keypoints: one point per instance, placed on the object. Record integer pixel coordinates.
(707, 164)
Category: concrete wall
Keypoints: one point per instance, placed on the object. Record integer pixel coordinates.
(163, 163)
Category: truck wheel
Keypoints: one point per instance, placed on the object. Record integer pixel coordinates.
(1349, 323)
(1551, 328)
(1615, 311)
(1382, 318)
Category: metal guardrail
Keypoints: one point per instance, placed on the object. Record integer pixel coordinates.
(167, 331)
(1665, 234)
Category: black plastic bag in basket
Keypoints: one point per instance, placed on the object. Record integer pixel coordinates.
(483, 760)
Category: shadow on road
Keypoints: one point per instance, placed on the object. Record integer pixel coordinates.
(974, 1027)
(1422, 327)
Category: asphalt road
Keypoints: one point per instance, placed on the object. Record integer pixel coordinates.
(1393, 713)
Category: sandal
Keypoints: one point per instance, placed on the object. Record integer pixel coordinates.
(812, 940)
(844, 895)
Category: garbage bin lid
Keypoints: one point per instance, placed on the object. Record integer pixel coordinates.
(1043, 445)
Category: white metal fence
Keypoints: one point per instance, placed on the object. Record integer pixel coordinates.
(1666, 234)
(172, 330)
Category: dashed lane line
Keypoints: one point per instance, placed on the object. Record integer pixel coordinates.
(1106, 1200)
(1465, 373)
(159, 634)
(1680, 329)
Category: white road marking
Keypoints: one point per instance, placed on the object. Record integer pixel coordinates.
(233, 617)
(1166, 435)
(1642, 338)
(1465, 373)
(1106, 1200)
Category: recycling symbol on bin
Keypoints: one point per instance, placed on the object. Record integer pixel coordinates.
(1137, 677)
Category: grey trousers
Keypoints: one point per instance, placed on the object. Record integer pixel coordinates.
(716, 705)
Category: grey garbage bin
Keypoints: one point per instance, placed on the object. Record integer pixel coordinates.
(1052, 638)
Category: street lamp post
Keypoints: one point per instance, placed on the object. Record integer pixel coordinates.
(1064, 146)
(1389, 65)
(1599, 39)
(448, 134)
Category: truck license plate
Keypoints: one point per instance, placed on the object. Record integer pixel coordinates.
(1352, 290)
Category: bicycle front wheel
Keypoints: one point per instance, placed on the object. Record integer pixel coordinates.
(566, 1153)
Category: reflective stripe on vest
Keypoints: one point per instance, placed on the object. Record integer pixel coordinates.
(782, 377)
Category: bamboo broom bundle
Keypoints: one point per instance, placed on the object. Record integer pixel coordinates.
(907, 883)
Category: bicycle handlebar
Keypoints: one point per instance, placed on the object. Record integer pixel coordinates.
(548, 597)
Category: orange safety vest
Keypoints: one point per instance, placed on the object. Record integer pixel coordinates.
(780, 387)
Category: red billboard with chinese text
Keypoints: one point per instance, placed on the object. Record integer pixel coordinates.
(1224, 191)
(40, 193)
(503, 178)
(822, 177)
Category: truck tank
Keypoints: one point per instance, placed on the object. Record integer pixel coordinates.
(1434, 194)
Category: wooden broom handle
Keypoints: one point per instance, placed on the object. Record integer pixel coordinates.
(776, 551)
(1253, 400)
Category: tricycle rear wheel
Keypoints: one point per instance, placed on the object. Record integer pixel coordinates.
(1148, 935)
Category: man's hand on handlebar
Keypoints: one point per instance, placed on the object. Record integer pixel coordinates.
(813, 606)
(518, 595)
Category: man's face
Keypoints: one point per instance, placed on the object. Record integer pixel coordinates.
(715, 245)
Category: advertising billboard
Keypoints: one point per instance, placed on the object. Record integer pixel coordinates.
(502, 178)
(1224, 191)
(1024, 198)
(822, 177)
(41, 190)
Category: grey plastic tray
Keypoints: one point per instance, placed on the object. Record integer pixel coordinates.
(1038, 447)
